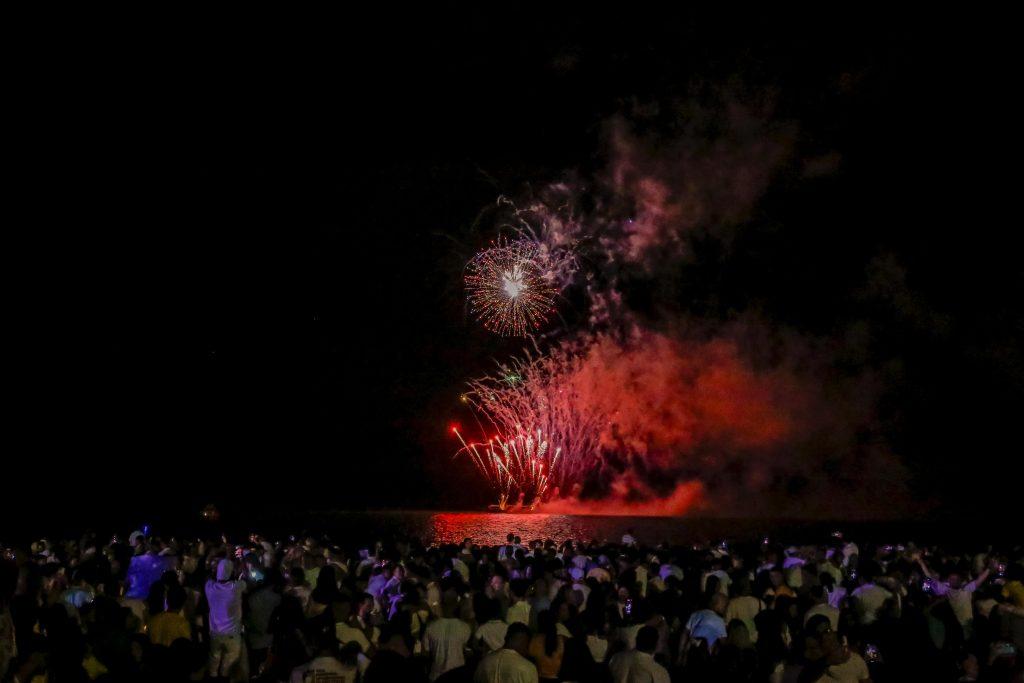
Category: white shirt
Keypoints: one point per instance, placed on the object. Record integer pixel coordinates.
(723, 581)
(350, 634)
(225, 598)
(959, 599)
(745, 608)
(870, 599)
(445, 640)
(853, 670)
(462, 568)
(505, 666)
(598, 648)
(637, 667)
(833, 571)
(827, 610)
(519, 612)
(492, 634)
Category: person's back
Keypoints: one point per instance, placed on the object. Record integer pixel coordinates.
(822, 608)
(519, 611)
(143, 571)
(869, 600)
(505, 666)
(225, 600)
(224, 596)
(638, 666)
(547, 647)
(708, 624)
(491, 634)
(744, 607)
(446, 639)
(262, 604)
(171, 624)
(509, 663)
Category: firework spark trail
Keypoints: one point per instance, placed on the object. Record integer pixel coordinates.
(509, 289)
(521, 464)
(538, 394)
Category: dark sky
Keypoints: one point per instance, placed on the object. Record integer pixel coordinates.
(236, 257)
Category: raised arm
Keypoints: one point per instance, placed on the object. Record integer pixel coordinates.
(982, 577)
(924, 567)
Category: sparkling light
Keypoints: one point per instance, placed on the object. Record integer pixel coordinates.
(508, 288)
(531, 403)
(523, 464)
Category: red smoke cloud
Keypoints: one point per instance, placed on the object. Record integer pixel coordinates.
(665, 397)
(622, 501)
(712, 422)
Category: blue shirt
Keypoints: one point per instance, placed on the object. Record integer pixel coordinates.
(708, 625)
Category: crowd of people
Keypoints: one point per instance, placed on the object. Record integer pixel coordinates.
(313, 610)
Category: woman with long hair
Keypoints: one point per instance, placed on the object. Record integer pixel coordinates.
(547, 647)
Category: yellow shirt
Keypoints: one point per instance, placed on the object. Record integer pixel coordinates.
(547, 665)
(93, 667)
(1014, 591)
(167, 627)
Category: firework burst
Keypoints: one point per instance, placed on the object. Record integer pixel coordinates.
(535, 400)
(508, 288)
(522, 464)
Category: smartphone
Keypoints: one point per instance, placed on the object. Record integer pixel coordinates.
(628, 609)
(871, 654)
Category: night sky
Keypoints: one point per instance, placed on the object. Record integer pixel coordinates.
(237, 259)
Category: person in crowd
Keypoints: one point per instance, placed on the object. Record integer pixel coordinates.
(224, 596)
(707, 625)
(490, 634)
(569, 610)
(869, 597)
(445, 639)
(261, 603)
(170, 624)
(744, 606)
(547, 647)
(511, 662)
(638, 665)
(820, 605)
